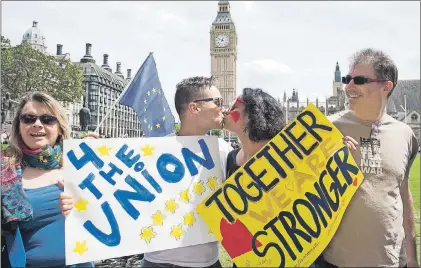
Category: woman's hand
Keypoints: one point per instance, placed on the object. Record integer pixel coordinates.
(350, 143)
(66, 201)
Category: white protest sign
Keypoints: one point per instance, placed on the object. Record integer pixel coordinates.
(138, 195)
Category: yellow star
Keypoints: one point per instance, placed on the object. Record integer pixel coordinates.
(159, 92)
(147, 150)
(80, 247)
(144, 120)
(158, 125)
(158, 218)
(149, 93)
(144, 110)
(104, 150)
(147, 234)
(198, 188)
(177, 231)
(153, 90)
(150, 127)
(163, 118)
(184, 196)
(212, 183)
(189, 219)
(80, 205)
(171, 205)
(145, 101)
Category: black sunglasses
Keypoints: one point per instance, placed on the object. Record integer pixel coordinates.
(217, 101)
(360, 80)
(44, 119)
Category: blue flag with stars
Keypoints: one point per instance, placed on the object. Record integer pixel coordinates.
(146, 97)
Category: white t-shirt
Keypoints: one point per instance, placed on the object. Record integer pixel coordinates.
(198, 255)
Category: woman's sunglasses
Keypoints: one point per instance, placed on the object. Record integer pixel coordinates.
(44, 119)
(360, 80)
(217, 101)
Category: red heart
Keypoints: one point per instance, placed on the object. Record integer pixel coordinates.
(236, 238)
(355, 182)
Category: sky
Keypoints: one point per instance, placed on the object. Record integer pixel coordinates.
(281, 45)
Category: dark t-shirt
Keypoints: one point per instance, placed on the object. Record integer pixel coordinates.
(232, 163)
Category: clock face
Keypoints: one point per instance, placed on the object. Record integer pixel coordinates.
(222, 40)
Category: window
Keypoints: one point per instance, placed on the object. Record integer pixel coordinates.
(414, 117)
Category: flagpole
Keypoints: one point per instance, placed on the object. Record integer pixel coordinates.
(119, 97)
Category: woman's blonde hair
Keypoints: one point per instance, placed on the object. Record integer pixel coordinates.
(15, 150)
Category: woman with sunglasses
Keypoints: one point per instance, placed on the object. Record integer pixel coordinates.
(256, 117)
(32, 222)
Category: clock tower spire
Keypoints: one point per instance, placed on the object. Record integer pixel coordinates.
(223, 52)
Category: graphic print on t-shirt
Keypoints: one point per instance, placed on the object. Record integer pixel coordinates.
(371, 161)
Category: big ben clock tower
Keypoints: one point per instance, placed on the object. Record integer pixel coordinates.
(223, 51)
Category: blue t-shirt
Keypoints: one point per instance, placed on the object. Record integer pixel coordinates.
(43, 236)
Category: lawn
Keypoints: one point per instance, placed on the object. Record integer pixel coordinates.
(415, 189)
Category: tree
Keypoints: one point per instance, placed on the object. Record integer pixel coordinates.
(5, 43)
(25, 69)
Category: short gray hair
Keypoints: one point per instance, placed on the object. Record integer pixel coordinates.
(383, 65)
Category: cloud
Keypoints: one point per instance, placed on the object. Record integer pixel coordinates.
(268, 66)
(248, 5)
(281, 45)
(169, 17)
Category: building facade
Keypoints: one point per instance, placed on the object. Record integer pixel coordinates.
(223, 52)
(292, 105)
(102, 89)
(404, 104)
(35, 38)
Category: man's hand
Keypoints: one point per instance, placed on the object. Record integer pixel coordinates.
(350, 143)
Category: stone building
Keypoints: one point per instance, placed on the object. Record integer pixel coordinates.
(335, 103)
(102, 88)
(406, 95)
(223, 52)
(34, 37)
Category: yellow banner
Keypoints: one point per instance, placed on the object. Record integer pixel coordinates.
(284, 205)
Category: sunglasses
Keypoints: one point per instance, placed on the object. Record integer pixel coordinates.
(44, 119)
(237, 100)
(217, 101)
(360, 80)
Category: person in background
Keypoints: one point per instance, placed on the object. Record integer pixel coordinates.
(31, 181)
(378, 227)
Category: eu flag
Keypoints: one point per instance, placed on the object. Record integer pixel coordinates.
(146, 97)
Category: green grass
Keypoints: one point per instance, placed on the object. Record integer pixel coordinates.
(415, 190)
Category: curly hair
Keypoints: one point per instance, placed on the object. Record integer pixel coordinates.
(264, 112)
